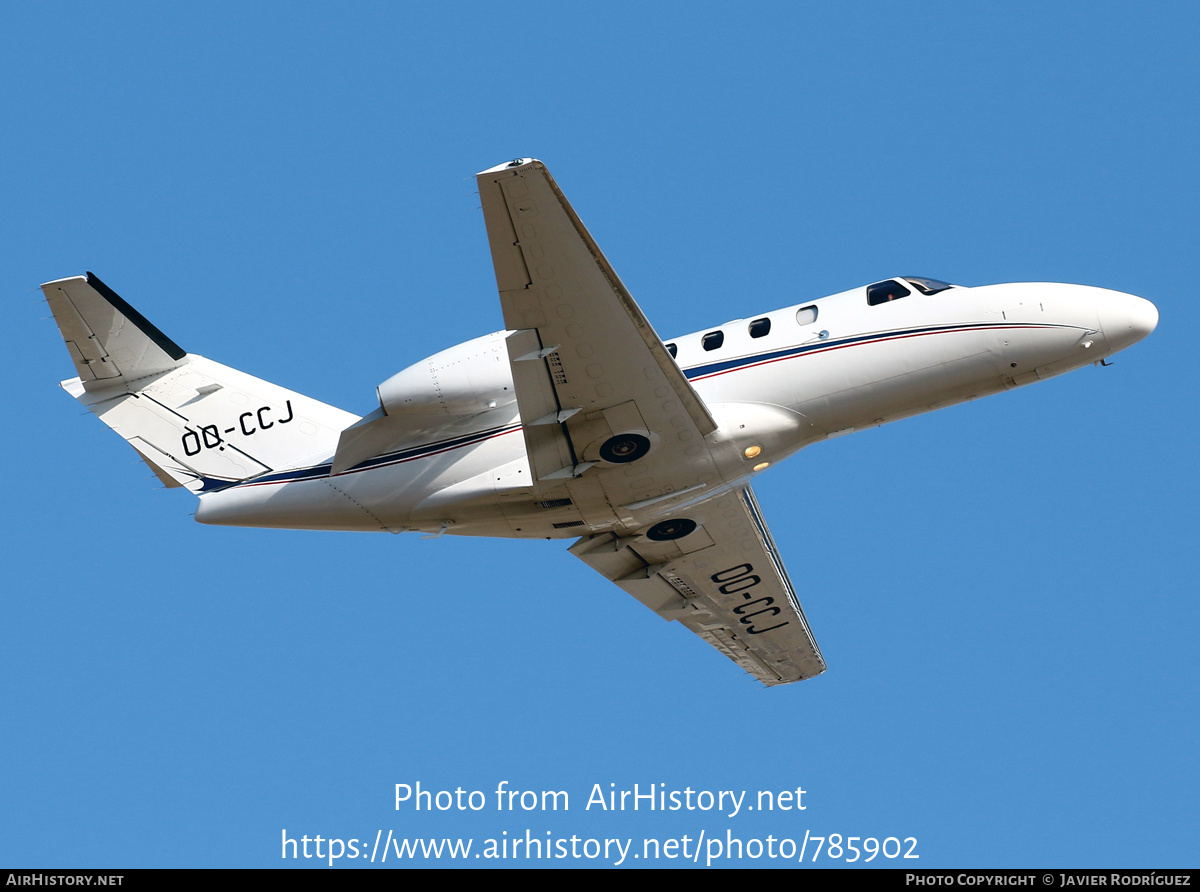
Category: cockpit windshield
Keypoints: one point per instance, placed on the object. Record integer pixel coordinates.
(927, 286)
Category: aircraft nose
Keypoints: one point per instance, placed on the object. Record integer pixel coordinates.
(1126, 319)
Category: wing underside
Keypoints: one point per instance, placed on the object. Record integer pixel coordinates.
(724, 581)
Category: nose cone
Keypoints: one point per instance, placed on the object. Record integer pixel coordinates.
(1125, 318)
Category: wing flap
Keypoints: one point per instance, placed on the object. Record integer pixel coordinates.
(724, 581)
(549, 449)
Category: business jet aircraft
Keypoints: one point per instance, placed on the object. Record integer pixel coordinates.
(579, 421)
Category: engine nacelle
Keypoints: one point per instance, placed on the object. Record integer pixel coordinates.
(464, 380)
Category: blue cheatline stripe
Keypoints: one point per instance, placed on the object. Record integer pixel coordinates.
(321, 471)
(718, 368)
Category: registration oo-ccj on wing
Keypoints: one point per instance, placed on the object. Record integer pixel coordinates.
(579, 422)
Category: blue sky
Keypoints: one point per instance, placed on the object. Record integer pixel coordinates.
(1005, 591)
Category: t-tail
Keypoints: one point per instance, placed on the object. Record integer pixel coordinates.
(195, 422)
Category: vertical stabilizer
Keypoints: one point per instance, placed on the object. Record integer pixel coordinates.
(195, 422)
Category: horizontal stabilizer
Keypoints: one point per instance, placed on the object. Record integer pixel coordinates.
(109, 341)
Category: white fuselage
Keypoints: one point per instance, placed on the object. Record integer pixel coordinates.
(824, 368)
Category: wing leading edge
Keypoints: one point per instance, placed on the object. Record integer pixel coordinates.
(724, 581)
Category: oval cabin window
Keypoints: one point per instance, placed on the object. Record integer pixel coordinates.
(806, 315)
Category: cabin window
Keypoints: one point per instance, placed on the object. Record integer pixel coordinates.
(673, 350)
(713, 340)
(806, 315)
(760, 328)
(882, 292)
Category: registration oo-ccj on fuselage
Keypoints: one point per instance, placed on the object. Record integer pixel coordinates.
(578, 421)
